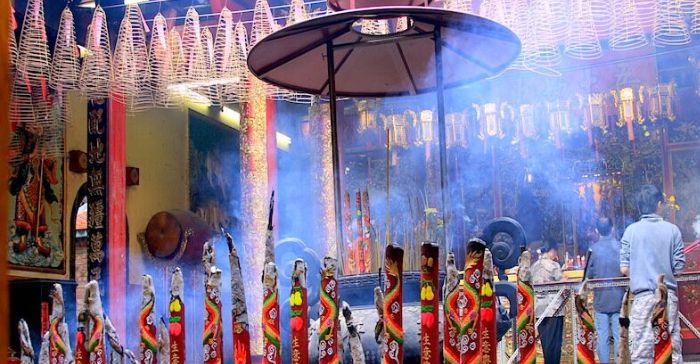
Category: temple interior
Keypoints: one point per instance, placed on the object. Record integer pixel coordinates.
(355, 181)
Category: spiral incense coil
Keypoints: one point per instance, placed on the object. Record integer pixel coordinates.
(546, 22)
(177, 323)
(520, 24)
(65, 67)
(647, 10)
(271, 317)
(429, 303)
(585, 340)
(263, 25)
(210, 87)
(228, 59)
(582, 41)
(328, 315)
(238, 90)
(160, 62)
(193, 70)
(96, 73)
(299, 320)
(670, 27)
(464, 6)
(137, 92)
(663, 348)
(695, 19)
(451, 319)
(470, 342)
(393, 304)
(148, 345)
(525, 321)
(212, 336)
(31, 100)
(603, 16)
(13, 42)
(627, 33)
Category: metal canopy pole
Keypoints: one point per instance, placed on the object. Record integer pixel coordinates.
(442, 133)
(330, 61)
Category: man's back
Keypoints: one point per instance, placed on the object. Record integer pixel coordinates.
(605, 263)
(652, 246)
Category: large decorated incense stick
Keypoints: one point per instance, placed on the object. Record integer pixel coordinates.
(393, 304)
(25, 343)
(585, 342)
(663, 349)
(357, 353)
(299, 320)
(624, 349)
(451, 319)
(55, 348)
(176, 325)
(379, 326)
(239, 310)
(361, 243)
(212, 338)
(148, 345)
(525, 324)
(487, 314)
(81, 354)
(328, 322)
(429, 304)
(95, 324)
(271, 308)
(118, 354)
(367, 233)
(470, 343)
(163, 342)
(349, 266)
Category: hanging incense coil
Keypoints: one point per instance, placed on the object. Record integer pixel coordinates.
(237, 91)
(670, 27)
(520, 24)
(695, 19)
(627, 32)
(131, 68)
(192, 71)
(177, 59)
(603, 16)
(548, 33)
(210, 85)
(31, 100)
(224, 57)
(96, 73)
(582, 41)
(464, 6)
(13, 43)
(65, 67)
(160, 63)
(263, 25)
(647, 10)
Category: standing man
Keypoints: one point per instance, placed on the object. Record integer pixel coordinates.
(551, 329)
(649, 247)
(605, 263)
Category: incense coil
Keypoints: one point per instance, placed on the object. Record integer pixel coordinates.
(132, 71)
(627, 33)
(161, 63)
(470, 342)
(65, 67)
(603, 17)
(670, 27)
(210, 87)
(263, 25)
(695, 19)
(582, 41)
(225, 47)
(430, 305)
(393, 304)
(31, 101)
(464, 6)
(96, 72)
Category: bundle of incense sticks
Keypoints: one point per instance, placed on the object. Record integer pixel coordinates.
(81, 354)
(299, 321)
(525, 329)
(95, 345)
(393, 304)
(663, 350)
(328, 312)
(59, 349)
(429, 303)
(239, 311)
(487, 314)
(451, 314)
(148, 345)
(470, 343)
(176, 326)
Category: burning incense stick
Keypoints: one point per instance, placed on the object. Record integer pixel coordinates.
(525, 329)
(487, 314)
(176, 328)
(470, 351)
(393, 304)
(239, 310)
(299, 306)
(328, 312)
(148, 345)
(429, 301)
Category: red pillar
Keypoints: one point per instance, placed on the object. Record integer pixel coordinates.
(116, 215)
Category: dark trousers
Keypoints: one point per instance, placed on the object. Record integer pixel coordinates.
(551, 330)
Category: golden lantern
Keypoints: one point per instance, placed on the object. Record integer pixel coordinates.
(526, 123)
(660, 102)
(367, 117)
(426, 125)
(490, 120)
(596, 111)
(628, 106)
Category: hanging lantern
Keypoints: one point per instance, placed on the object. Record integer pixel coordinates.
(596, 111)
(426, 125)
(490, 120)
(660, 102)
(399, 129)
(456, 130)
(527, 122)
(628, 106)
(367, 118)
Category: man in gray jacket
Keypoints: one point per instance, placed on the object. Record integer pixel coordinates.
(605, 263)
(650, 247)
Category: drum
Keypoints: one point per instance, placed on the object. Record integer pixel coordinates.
(176, 235)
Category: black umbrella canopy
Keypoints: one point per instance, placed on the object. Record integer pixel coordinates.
(401, 63)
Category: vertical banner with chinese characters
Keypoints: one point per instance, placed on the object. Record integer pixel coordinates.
(97, 190)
